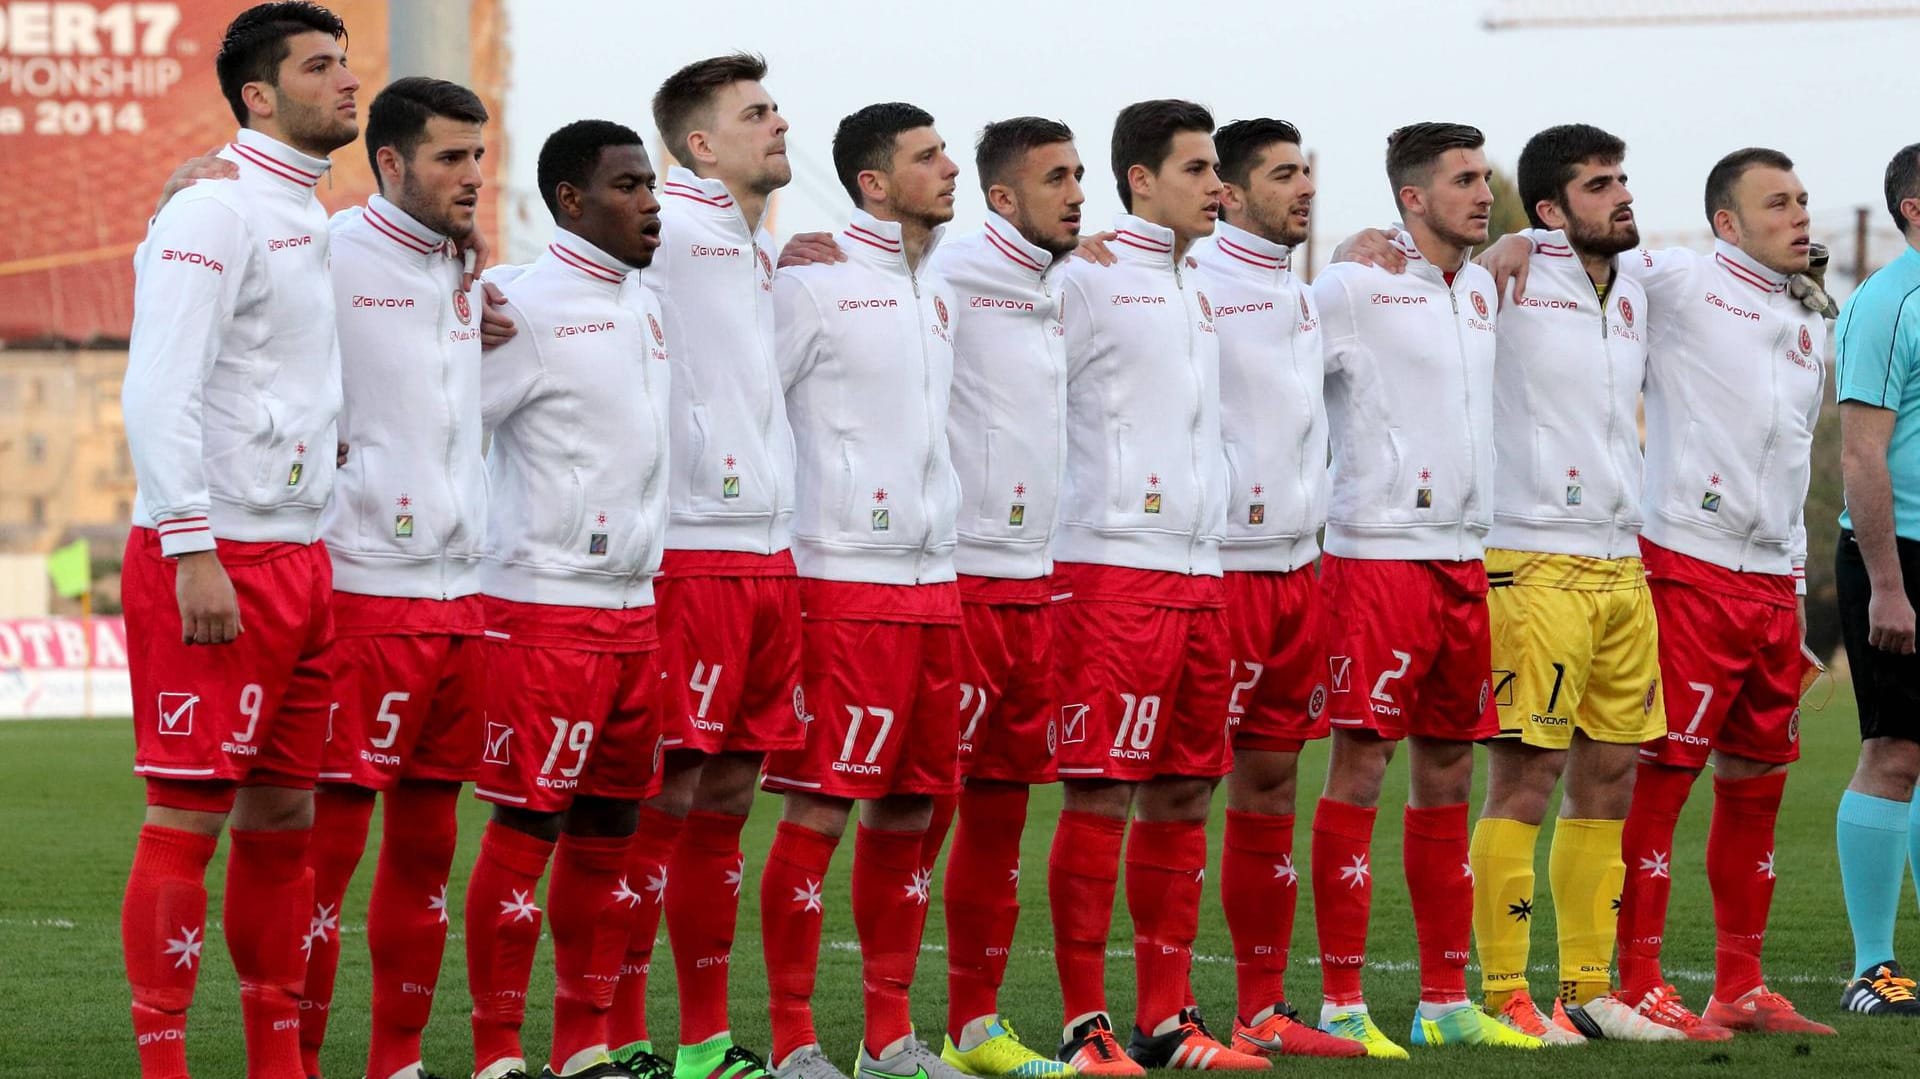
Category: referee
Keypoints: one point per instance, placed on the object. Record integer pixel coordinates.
(1877, 566)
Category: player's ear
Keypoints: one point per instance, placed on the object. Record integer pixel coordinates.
(1140, 181)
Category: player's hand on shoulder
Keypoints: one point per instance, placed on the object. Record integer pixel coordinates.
(1372, 247)
(1508, 260)
(207, 166)
(209, 610)
(477, 255)
(1094, 249)
(808, 248)
(496, 328)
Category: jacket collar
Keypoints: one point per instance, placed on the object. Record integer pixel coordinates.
(278, 160)
(403, 229)
(1742, 266)
(1138, 240)
(1250, 251)
(877, 243)
(699, 193)
(587, 261)
(1021, 255)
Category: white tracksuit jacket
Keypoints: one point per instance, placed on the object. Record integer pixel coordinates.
(732, 485)
(233, 369)
(1566, 394)
(866, 356)
(1409, 408)
(1146, 479)
(1006, 425)
(1273, 412)
(577, 406)
(409, 509)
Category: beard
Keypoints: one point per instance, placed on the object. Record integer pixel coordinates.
(320, 130)
(416, 202)
(1605, 241)
(1277, 226)
(1052, 242)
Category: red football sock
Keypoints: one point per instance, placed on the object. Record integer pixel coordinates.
(590, 922)
(266, 917)
(982, 889)
(340, 816)
(647, 881)
(891, 889)
(1440, 888)
(703, 903)
(1342, 895)
(503, 926)
(1165, 860)
(790, 906)
(1083, 872)
(1258, 889)
(407, 920)
(1740, 872)
(163, 929)
(1646, 842)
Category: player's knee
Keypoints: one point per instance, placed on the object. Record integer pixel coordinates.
(1357, 768)
(528, 822)
(816, 813)
(727, 784)
(1176, 798)
(272, 809)
(898, 813)
(1889, 767)
(1099, 798)
(602, 817)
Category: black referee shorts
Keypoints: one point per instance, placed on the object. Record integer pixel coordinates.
(1886, 685)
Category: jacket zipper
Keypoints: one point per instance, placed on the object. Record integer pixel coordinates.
(1466, 396)
(1613, 419)
(1199, 396)
(1306, 431)
(926, 401)
(453, 417)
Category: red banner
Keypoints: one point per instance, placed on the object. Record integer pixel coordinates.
(100, 101)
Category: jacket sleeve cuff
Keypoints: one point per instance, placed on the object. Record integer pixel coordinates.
(1799, 578)
(185, 535)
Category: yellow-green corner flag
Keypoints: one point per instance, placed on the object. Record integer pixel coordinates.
(71, 568)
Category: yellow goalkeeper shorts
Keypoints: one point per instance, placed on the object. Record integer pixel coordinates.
(1575, 645)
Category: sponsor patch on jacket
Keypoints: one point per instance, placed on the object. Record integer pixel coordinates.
(1152, 502)
(729, 487)
(293, 474)
(1017, 515)
(882, 519)
(1256, 513)
(1423, 498)
(1573, 494)
(403, 526)
(1710, 501)
(597, 543)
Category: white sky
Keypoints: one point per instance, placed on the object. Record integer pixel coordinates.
(1836, 95)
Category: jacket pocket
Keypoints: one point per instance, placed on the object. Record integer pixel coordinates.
(1120, 478)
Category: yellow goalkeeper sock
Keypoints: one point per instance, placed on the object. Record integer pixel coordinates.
(1502, 857)
(1585, 872)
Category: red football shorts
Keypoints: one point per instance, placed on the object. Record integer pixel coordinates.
(252, 712)
(572, 705)
(409, 688)
(1730, 661)
(1409, 648)
(1143, 658)
(880, 669)
(1278, 700)
(730, 648)
(1009, 723)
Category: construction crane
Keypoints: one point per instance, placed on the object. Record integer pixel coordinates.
(1572, 14)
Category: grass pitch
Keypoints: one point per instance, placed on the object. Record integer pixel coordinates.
(69, 809)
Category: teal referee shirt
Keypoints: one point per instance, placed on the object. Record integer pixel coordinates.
(1879, 364)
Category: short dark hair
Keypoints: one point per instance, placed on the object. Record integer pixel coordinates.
(1413, 149)
(1727, 171)
(1143, 135)
(681, 101)
(864, 140)
(1551, 159)
(1903, 182)
(572, 153)
(1241, 143)
(255, 45)
(1003, 143)
(399, 114)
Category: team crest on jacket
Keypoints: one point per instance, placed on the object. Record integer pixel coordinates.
(462, 307)
(766, 264)
(1306, 313)
(940, 308)
(1626, 310)
(1479, 304)
(1806, 341)
(1206, 309)
(654, 325)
